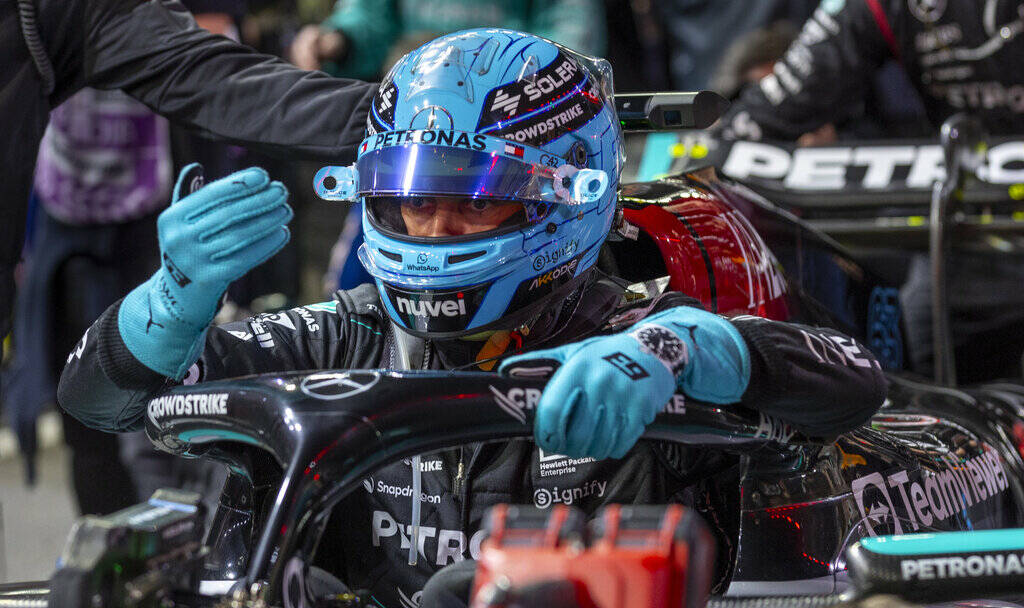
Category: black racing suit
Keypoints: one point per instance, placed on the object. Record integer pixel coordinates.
(961, 55)
(367, 546)
(154, 51)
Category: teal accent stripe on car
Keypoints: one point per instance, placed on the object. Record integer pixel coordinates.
(206, 435)
(947, 542)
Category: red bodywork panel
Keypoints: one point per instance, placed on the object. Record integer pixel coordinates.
(713, 254)
(667, 563)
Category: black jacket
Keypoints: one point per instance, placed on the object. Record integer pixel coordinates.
(153, 50)
(368, 540)
(961, 55)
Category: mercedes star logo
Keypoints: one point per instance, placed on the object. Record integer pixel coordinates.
(329, 386)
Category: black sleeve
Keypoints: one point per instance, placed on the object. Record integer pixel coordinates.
(821, 78)
(819, 380)
(155, 52)
(105, 387)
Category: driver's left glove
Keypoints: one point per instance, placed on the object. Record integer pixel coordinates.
(606, 390)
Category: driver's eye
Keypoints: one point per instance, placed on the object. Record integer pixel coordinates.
(479, 205)
(419, 205)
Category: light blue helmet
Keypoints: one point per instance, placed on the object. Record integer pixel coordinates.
(484, 122)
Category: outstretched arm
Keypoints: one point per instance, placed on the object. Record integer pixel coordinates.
(155, 52)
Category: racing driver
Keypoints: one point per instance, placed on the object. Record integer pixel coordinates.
(488, 181)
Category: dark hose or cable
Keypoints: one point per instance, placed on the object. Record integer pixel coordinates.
(29, 31)
(963, 145)
(955, 139)
(942, 340)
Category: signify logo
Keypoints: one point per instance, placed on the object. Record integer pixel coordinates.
(436, 308)
(544, 497)
(552, 257)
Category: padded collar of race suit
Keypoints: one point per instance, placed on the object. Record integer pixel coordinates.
(581, 314)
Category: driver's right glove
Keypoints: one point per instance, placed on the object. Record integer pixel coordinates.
(209, 237)
(605, 390)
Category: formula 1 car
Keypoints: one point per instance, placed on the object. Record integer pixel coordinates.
(932, 460)
(801, 513)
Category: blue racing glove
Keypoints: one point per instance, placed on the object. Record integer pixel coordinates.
(606, 390)
(210, 237)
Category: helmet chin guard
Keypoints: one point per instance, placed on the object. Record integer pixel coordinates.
(438, 314)
(480, 124)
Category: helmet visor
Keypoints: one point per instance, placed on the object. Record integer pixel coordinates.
(450, 216)
(430, 170)
(454, 163)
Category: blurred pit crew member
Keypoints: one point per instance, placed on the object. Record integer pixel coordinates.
(477, 253)
(962, 56)
(360, 38)
(751, 58)
(153, 50)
